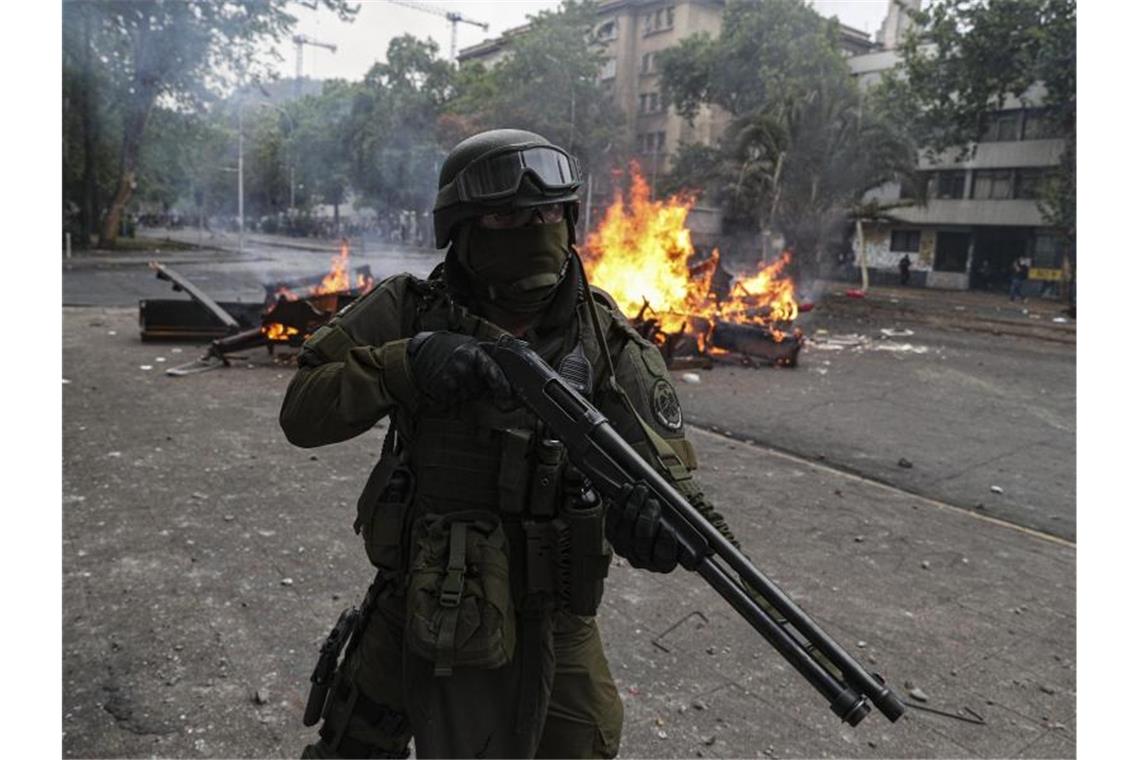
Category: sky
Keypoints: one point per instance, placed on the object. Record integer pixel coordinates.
(364, 41)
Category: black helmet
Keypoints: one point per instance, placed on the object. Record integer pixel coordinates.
(502, 167)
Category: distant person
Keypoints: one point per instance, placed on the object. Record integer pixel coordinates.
(904, 269)
(1020, 275)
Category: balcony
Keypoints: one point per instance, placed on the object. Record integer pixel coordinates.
(1007, 213)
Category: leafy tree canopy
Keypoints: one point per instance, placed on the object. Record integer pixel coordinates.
(765, 54)
(547, 83)
(390, 132)
(802, 145)
(180, 51)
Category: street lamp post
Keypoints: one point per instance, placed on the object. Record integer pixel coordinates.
(241, 177)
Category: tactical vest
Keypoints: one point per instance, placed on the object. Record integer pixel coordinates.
(480, 470)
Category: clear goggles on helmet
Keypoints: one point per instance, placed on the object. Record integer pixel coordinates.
(499, 175)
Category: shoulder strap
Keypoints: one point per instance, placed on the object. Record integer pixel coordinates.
(667, 458)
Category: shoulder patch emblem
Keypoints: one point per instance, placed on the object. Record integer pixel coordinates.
(666, 406)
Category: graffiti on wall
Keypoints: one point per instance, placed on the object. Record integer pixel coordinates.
(877, 246)
(926, 250)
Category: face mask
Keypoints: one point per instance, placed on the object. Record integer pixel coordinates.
(516, 269)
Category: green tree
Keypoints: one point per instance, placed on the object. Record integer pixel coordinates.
(969, 57)
(319, 144)
(89, 124)
(803, 146)
(548, 83)
(178, 52)
(391, 130)
(767, 53)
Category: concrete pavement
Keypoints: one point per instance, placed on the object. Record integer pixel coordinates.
(204, 558)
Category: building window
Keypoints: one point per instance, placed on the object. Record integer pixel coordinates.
(1002, 126)
(908, 189)
(1028, 182)
(1040, 125)
(905, 241)
(608, 70)
(660, 19)
(651, 142)
(947, 185)
(993, 184)
(607, 31)
(1048, 251)
(647, 63)
(653, 105)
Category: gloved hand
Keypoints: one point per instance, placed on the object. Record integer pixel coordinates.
(451, 368)
(635, 529)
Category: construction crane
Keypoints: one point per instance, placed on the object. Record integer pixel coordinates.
(300, 40)
(451, 16)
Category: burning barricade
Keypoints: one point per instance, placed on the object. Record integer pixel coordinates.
(694, 309)
(291, 312)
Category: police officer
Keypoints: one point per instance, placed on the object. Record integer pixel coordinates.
(478, 637)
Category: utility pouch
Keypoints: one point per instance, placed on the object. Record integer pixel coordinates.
(460, 612)
(514, 470)
(589, 554)
(546, 485)
(380, 517)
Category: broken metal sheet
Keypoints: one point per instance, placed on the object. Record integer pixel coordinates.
(180, 319)
(181, 283)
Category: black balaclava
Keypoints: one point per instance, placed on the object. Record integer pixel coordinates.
(515, 269)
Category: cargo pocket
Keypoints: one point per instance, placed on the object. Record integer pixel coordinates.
(381, 510)
(460, 612)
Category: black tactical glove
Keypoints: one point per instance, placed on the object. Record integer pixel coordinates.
(637, 532)
(451, 368)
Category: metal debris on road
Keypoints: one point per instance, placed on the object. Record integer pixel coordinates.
(905, 463)
(657, 639)
(900, 348)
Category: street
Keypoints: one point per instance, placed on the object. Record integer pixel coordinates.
(913, 491)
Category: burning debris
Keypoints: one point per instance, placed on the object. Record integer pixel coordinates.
(291, 312)
(692, 308)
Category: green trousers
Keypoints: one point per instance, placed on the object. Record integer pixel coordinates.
(556, 698)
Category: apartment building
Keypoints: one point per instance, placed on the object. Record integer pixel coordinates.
(981, 213)
(634, 32)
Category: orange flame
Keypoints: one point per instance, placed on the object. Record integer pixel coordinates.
(641, 253)
(336, 281)
(278, 331)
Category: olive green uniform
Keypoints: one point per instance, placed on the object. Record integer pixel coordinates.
(512, 672)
